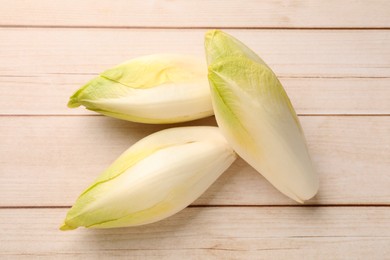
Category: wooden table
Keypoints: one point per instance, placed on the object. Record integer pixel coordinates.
(333, 58)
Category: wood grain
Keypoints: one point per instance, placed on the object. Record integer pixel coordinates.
(313, 96)
(214, 13)
(48, 161)
(291, 53)
(207, 233)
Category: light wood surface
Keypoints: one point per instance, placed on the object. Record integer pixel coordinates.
(62, 153)
(290, 53)
(333, 58)
(208, 233)
(212, 13)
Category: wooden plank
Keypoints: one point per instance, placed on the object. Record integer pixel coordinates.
(207, 233)
(48, 95)
(42, 155)
(291, 53)
(214, 13)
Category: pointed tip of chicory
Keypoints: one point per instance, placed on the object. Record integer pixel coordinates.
(220, 45)
(76, 99)
(65, 227)
(73, 103)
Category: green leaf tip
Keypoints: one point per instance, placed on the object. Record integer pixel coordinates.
(65, 227)
(74, 100)
(220, 45)
(73, 103)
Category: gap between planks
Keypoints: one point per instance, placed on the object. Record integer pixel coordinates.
(26, 26)
(81, 115)
(280, 77)
(230, 206)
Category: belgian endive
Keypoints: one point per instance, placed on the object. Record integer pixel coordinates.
(255, 115)
(162, 88)
(154, 179)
